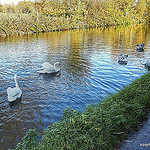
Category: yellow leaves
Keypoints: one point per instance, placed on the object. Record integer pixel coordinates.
(68, 14)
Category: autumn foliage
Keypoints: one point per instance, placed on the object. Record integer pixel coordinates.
(46, 16)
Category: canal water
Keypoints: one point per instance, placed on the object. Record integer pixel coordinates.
(89, 72)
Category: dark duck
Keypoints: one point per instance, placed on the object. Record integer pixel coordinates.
(140, 47)
(123, 59)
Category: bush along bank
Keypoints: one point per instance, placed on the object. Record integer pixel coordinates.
(45, 16)
(102, 126)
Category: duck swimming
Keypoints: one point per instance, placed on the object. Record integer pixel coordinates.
(147, 64)
(122, 59)
(140, 47)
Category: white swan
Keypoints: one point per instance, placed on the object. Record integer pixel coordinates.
(48, 68)
(14, 93)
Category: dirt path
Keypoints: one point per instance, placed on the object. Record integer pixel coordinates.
(138, 140)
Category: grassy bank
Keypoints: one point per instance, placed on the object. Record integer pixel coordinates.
(102, 126)
(46, 16)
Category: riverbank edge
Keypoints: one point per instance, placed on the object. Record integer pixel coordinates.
(38, 29)
(102, 126)
(8, 33)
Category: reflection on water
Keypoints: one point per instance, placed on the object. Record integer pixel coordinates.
(89, 72)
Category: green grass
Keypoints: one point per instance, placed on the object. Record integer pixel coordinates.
(102, 126)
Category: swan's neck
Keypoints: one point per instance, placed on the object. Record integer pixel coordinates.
(57, 69)
(15, 78)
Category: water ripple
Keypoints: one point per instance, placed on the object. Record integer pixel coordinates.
(89, 72)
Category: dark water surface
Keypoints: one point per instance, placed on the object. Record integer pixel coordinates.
(89, 72)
